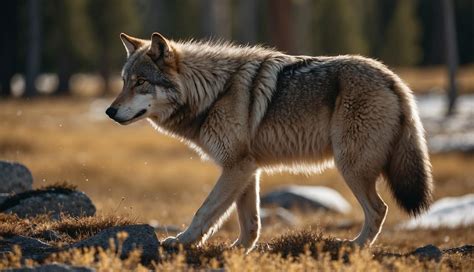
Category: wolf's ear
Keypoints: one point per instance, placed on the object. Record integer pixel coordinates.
(160, 49)
(131, 44)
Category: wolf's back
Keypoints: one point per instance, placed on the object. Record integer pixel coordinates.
(408, 169)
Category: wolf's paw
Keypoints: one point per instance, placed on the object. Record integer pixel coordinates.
(170, 242)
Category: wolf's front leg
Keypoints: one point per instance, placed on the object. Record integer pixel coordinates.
(233, 180)
(248, 206)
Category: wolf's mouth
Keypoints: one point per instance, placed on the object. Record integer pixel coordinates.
(140, 113)
(126, 122)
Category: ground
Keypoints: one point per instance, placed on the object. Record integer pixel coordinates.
(136, 174)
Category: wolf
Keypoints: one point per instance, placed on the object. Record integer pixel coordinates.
(251, 109)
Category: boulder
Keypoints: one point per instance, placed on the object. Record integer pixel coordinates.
(450, 212)
(14, 177)
(51, 200)
(429, 252)
(141, 237)
(30, 248)
(307, 197)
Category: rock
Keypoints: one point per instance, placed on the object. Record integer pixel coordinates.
(3, 197)
(269, 216)
(14, 178)
(429, 252)
(448, 212)
(55, 267)
(51, 200)
(139, 236)
(307, 197)
(463, 250)
(30, 248)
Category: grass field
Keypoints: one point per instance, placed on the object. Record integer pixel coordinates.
(135, 173)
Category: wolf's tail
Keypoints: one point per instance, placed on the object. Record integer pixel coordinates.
(408, 169)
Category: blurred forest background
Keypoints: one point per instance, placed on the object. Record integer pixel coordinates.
(67, 55)
(57, 44)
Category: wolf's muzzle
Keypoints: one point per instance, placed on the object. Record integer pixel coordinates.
(111, 112)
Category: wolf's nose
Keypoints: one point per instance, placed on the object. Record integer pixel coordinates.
(111, 112)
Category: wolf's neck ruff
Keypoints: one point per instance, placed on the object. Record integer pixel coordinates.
(209, 70)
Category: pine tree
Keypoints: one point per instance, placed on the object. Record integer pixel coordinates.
(109, 18)
(402, 37)
(340, 28)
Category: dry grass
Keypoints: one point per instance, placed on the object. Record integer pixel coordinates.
(295, 251)
(134, 172)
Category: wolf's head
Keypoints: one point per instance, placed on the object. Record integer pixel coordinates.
(151, 85)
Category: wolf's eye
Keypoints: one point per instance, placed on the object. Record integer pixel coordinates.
(140, 82)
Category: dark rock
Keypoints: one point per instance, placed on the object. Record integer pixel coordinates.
(51, 200)
(14, 178)
(307, 197)
(429, 252)
(142, 237)
(463, 250)
(3, 197)
(55, 267)
(30, 248)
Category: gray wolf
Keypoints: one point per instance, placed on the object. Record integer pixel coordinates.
(253, 109)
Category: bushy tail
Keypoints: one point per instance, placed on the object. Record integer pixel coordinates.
(409, 169)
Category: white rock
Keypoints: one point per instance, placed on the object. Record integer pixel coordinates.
(450, 212)
(315, 197)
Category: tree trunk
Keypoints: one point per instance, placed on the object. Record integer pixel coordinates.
(105, 71)
(302, 27)
(451, 54)
(247, 21)
(64, 54)
(64, 76)
(280, 24)
(33, 56)
(8, 49)
(216, 19)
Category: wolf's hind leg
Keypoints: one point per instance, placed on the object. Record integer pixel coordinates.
(233, 180)
(248, 207)
(374, 208)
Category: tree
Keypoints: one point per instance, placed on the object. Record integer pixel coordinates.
(246, 27)
(402, 37)
(304, 33)
(451, 52)
(340, 28)
(68, 43)
(109, 18)
(216, 18)
(9, 25)
(279, 24)
(33, 57)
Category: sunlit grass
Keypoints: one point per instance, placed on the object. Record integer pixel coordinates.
(135, 173)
